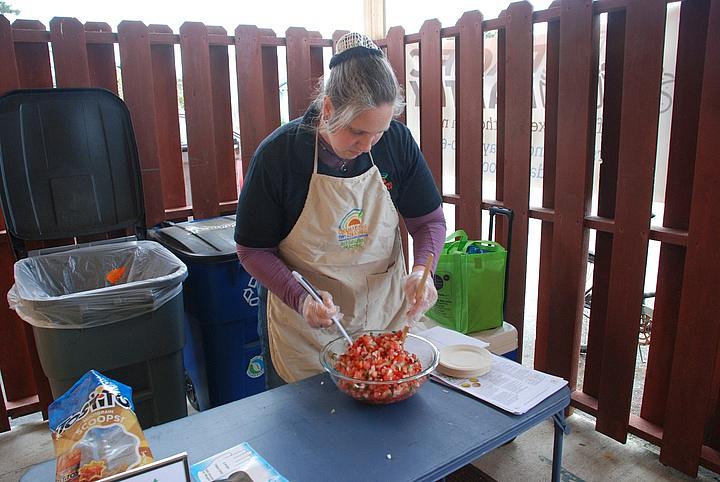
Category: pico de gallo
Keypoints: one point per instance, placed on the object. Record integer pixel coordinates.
(379, 358)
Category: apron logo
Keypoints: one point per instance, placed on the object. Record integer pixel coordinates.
(386, 181)
(352, 231)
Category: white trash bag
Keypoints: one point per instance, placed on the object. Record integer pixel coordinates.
(95, 285)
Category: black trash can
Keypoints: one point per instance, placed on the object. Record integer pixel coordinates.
(222, 354)
(69, 168)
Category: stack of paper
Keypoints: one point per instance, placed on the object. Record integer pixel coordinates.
(508, 385)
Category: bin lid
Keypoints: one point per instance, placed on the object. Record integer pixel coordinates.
(207, 240)
(502, 339)
(68, 164)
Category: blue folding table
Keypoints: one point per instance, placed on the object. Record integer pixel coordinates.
(310, 431)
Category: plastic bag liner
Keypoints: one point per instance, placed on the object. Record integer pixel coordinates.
(96, 285)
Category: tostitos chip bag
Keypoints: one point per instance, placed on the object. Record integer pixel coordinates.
(95, 431)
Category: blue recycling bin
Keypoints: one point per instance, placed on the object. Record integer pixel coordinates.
(222, 353)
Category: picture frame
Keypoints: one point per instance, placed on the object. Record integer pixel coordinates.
(174, 468)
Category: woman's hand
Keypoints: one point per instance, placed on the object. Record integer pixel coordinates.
(319, 315)
(418, 302)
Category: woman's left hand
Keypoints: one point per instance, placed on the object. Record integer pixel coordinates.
(418, 305)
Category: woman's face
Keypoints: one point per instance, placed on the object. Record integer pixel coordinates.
(363, 132)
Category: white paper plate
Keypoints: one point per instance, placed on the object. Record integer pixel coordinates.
(463, 361)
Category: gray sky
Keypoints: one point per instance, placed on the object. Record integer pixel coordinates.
(325, 16)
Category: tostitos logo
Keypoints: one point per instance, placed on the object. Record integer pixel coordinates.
(352, 231)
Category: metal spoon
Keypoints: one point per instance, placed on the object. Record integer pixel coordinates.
(316, 296)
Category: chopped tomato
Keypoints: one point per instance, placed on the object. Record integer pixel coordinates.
(379, 358)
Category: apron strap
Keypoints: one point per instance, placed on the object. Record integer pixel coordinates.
(315, 155)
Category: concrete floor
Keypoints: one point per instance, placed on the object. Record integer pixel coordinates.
(27, 443)
(587, 456)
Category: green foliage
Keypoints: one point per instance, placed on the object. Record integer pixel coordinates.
(181, 95)
(7, 8)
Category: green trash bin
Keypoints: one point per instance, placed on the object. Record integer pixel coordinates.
(131, 331)
(69, 169)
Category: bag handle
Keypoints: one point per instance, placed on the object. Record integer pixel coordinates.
(463, 245)
(453, 244)
(460, 233)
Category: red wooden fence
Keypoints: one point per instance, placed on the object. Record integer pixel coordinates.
(680, 406)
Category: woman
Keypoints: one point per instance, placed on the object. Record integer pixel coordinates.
(322, 197)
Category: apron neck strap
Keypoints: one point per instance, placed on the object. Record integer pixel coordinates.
(315, 154)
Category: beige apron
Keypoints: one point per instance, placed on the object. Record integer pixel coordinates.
(346, 242)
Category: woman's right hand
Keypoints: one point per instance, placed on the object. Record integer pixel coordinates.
(319, 315)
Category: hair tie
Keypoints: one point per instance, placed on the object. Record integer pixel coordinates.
(353, 45)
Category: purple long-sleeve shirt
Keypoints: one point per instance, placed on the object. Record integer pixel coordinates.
(265, 265)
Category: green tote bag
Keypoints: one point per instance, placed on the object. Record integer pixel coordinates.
(470, 280)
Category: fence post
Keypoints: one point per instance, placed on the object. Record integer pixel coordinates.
(469, 126)
(101, 59)
(431, 91)
(692, 37)
(139, 95)
(199, 118)
(395, 52)
(316, 63)
(22, 374)
(33, 59)
(252, 85)
(165, 83)
(299, 71)
(698, 333)
(227, 185)
(514, 134)
(642, 73)
(271, 83)
(9, 73)
(8, 81)
(577, 92)
(552, 71)
(69, 52)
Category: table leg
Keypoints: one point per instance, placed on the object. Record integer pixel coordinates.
(561, 428)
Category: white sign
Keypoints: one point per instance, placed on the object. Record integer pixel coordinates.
(171, 469)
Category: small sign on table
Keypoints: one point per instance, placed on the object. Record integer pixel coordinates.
(171, 469)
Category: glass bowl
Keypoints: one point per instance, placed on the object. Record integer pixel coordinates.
(375, 391)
